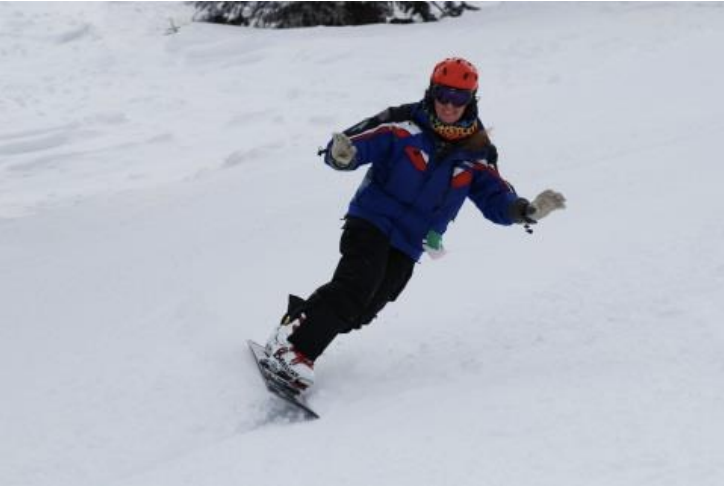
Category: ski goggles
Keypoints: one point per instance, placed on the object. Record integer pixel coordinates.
(453, 96)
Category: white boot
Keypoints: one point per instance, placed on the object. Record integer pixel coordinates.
(287, 362)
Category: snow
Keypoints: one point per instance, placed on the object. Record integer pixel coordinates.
(160, 196)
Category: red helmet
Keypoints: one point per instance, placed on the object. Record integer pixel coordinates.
(456, 73)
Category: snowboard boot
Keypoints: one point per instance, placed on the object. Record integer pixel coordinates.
(284, 359)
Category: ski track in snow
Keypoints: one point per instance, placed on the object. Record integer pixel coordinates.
(160, 195)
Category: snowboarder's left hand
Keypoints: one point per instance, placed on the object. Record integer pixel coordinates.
(432, 244)
(545, 203)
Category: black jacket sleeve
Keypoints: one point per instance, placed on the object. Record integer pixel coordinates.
(392, 114)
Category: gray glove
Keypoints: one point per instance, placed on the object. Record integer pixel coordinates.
(545, 203)
(343, 151)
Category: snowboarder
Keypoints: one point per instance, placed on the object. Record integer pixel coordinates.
(425, 158)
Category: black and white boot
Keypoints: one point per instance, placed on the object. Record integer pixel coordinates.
(286, 361)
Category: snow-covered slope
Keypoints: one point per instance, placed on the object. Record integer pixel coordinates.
(160, 195)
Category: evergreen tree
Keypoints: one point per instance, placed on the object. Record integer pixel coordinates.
(306, 14)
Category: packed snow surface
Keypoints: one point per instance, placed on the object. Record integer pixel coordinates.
(160, 195)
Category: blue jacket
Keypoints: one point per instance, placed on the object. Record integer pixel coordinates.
(417, 182)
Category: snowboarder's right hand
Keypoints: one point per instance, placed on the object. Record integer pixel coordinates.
(343, 151)
(545, 203)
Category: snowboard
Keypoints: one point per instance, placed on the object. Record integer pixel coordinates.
(277, 385)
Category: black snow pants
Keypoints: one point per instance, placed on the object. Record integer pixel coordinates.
(370, 274)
